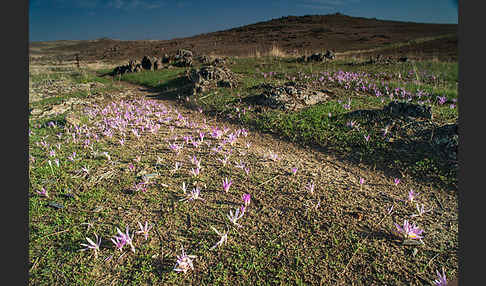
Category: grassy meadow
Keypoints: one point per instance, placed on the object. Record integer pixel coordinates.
(162, 160)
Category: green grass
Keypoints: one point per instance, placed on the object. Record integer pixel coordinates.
(313, 126)
(311, 247)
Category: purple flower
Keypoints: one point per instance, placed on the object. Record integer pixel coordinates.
(184, 262)
(310, 187)
(247, 171)
(367, 138)
(294, 170)
(92, 245)
(72, 157)
(195, 172)
(411, 196)
(144, 229)
(195, 194)
(409, 231)
(227, 184)
(421, 210)
(119, 242)
(234, 217)
(386, 130)
(224, 161)
(131, 167)
(223, 238)
(240, 165)
(126, 237)
(441, 281)
(43, 192)
(396, 181)
(141, 187)
(246, 199)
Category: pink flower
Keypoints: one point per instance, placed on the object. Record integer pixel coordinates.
(409, 231)
(396, 181)
(226, 184)
(246, 199)
(43, 192)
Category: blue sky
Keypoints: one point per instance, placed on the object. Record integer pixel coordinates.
(51, 20)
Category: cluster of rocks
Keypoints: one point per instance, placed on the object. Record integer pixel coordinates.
(183, 58)
(380, 59)
(290, 96)
(211, 76)
(147, 63)
(318, 57)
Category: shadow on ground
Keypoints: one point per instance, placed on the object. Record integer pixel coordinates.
(412, 152)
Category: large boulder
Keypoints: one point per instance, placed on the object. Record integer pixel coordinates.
(183, 58)
(146, 63)
(329, 55)
(316, 57)
(166, 59)
(211, 76)
(290, 96)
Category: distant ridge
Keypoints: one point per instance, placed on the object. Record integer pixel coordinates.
(291, 34)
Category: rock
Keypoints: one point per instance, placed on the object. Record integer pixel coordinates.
(166, 59)
(183, 58)
(316, 57)
(204, 59)
(146, 63)
(291, 96)
(219, 61)
(408, 109)
(329, 55)
(156, 63)
(210, 76)
(302, 59)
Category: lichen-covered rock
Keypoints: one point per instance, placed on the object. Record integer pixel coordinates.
(290, 96)
(210, 76)
(204, 59)
(183, 58)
